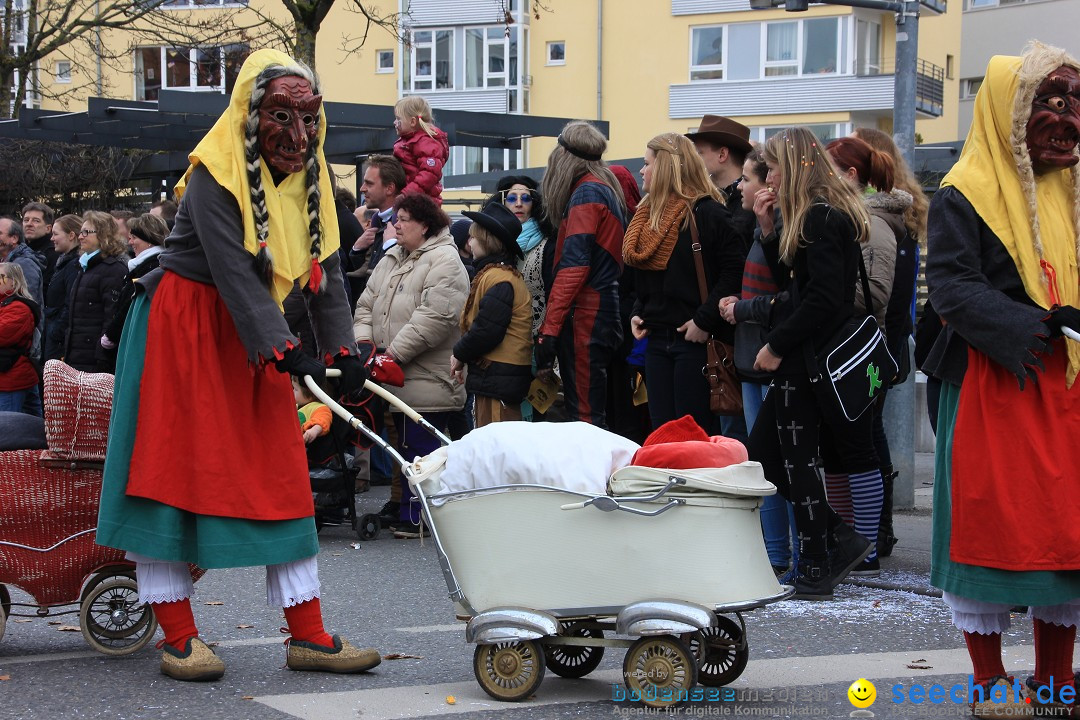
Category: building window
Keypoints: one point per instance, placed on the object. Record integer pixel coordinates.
(431, 60)
(707, 53)
(820, 54)
(781, 49)
(480, 160)
(211, 69)
(486, 52)
(556, 53)
(63, 71)
(969, 88)
(825, 132)
(867, 48)
(949, 67)
(200, 3)
(384, 61)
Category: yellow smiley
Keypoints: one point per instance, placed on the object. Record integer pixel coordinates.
(862, 693)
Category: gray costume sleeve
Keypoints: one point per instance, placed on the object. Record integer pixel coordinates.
(976, 289)
(330, 316)
(216, 222)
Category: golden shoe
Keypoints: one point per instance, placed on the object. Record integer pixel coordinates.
(1001, 697)
(342, 658)
(196, 663)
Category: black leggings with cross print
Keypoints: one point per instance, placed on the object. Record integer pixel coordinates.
(785, 441)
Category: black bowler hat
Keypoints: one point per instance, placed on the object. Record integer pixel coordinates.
(497, 219)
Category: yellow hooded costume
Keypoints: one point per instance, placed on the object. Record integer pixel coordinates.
(1033, 216)
(221, 152)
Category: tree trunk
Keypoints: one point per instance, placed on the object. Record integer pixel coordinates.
(304, 49)
(5, 95)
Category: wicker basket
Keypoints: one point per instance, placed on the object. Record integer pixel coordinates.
(77, 409)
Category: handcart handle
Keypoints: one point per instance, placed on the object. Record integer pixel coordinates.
(1070, 333)
(399, 405)
(606, 503)
(348, 417)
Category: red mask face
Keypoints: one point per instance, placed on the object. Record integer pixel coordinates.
(1054, 128)
(288, 123)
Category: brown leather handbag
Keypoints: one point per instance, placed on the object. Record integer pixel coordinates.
(725, 390)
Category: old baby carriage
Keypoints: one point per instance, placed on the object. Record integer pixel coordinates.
(670, 558)
(48, 518)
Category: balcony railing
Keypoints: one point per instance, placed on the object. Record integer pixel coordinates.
(930, 89)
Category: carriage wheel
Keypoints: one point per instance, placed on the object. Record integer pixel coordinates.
(509, 671)
(716, 649)
(368, 526)
(5, 599)
(574, 661)
(113, 620)
(660, 669)
(3, 619)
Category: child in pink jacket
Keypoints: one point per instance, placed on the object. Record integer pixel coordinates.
(421, 147)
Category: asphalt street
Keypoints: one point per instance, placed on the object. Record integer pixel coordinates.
(389, 593)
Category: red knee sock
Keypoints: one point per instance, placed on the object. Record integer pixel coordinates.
(838, 492)
(985, 652)
(176, 621)
(305, 623)
(1054, 653)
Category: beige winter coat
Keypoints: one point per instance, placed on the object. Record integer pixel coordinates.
(411, 306)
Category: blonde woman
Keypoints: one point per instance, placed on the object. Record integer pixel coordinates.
(95, 293)
(815, 258)
(658, 253)
(19, 316)
(582, 326)
(421, 147)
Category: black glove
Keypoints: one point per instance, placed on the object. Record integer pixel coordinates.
(353, 375)
(296, 362)
(544, 351)
(1062, 316)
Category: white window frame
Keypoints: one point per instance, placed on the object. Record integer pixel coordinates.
(490, 79)
(760, 133)
(379, 68)
(548, 48)
(800, 49)
(861, 69)
(432, 44)
(63, 72)
(457, 163)
(722, 67)
(201, 4)
(193, 75)
(966, 93)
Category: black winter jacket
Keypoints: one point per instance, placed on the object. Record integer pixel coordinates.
(56, 303)
(139, 267)
(91, 306)
(668, 298)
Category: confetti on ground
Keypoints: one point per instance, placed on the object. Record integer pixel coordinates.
(244, 627)
(402, 656)
(213, 602)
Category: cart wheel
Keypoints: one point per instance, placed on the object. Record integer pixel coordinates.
(509, 671)
(3, 619)
(720, 660)
(5, 599)
(368, 526)
(574, 661)
(660, 670)
(112, 619)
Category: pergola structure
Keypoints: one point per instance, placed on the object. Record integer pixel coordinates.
(174, 124)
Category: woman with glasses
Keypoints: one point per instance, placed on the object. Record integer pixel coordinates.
(658, 250)
(95, 293)
(19, 316)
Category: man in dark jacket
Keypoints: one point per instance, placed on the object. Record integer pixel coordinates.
(37, 221)
(724, 144)
(384, 177)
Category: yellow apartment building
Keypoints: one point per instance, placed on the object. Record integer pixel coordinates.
(644, 66)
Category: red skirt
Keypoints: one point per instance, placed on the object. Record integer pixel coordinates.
(214, 435)
(1015, 472)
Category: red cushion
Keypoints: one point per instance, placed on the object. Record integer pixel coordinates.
(77, 409)
(682, 444)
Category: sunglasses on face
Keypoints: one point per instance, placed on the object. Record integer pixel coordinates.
(524, 197)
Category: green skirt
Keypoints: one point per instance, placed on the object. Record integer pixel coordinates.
(1033, 587)
(163, 532)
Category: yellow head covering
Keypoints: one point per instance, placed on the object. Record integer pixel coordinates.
(221, 152)
(1034, 216)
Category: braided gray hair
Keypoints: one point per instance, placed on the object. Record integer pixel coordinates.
(264, 262)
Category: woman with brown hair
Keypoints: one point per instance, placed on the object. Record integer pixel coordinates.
(95, 293)
(658, 249)
(65, 240)
(146, 235)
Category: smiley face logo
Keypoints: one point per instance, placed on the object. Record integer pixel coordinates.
(862, 693)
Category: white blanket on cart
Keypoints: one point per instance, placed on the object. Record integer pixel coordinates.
(573, 456)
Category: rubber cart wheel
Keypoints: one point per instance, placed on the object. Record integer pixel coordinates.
(660, 669)
(368, 526)
(3, 620)
(720, 660)
(509, 671)
(5, 599)
(113, 620)
(574, 661)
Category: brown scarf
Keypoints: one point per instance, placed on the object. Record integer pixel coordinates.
(648, 249)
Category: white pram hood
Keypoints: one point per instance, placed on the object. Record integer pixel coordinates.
(744, 479)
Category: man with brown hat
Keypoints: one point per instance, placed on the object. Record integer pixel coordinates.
(724, 144)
